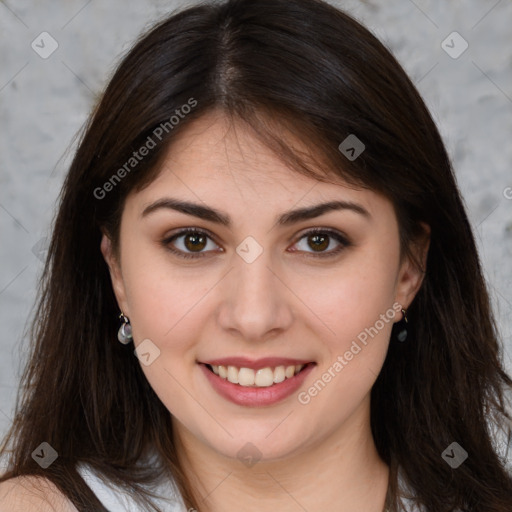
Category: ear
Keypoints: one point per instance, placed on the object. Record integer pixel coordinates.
(412, 270)
(116, 276)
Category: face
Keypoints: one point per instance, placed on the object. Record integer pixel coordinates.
(257, 289)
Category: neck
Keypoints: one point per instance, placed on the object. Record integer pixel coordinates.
(343, 469)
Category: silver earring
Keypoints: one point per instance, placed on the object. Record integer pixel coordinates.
(124, 335)
(402, 335)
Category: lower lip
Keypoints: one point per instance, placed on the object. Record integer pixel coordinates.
(256, 396)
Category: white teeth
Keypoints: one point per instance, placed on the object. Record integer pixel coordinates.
(233, 374)
(279, 375)
(263, 378)
(245, 377)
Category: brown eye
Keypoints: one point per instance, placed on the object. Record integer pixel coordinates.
(188, 243)
(194, 241)
(319, 240)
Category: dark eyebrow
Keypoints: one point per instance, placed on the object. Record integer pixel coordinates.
(285, 219)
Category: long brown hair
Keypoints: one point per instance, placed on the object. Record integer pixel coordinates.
(298, 67)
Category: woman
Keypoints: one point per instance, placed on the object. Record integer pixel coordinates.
(262, 290)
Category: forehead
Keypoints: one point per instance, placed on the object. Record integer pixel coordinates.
(214, 144)
(219, 161)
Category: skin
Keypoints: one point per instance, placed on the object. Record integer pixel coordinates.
(285, 303)
(31, 493)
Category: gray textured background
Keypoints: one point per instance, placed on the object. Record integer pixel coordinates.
(44, 102)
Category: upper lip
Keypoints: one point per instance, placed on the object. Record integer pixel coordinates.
(256, 364)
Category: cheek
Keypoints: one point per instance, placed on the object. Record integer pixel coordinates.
(170, 304)
(360, 314)
(357, 306)
(355, 298)
(165, 298)
(165, 302)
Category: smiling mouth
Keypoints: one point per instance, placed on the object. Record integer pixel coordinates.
(262, 378)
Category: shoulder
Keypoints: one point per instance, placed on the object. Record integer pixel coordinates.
(31, 493)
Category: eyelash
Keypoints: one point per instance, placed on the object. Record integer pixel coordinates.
(324, 231)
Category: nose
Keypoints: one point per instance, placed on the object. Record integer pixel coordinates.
(256, 300)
